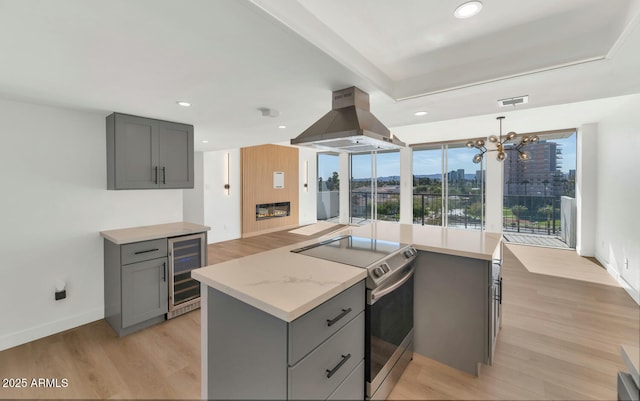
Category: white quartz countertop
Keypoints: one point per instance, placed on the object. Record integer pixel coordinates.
(451, 241)
(145, 233)
(284, 284)
(288, 285)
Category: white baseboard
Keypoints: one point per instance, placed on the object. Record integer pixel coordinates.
(633, 293)
(24, 336)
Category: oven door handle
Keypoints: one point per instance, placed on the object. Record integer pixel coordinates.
(378, 294)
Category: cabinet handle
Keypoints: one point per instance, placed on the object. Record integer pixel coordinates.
(164, 271)
(164, 175)
(331, 322)
(156, 171)
(331, 372)
(147, 251)
(500, 288)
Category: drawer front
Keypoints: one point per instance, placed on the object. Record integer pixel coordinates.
(352, 388)
(145, 250)
(311, 329)
(318, 374)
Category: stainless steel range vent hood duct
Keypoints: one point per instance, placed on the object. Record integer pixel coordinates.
(349, 126)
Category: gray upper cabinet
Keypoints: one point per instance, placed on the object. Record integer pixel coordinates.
(144, 153)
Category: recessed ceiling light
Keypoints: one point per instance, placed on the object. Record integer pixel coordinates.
(183, 103)
(205, 141)
(468, 9)
(282, 126)
(420, 113)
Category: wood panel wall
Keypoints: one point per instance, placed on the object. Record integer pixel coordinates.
(258, 165)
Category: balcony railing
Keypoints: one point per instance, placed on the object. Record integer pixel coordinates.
(463, 210)
(388, 206)
(531, 214)
(524, 214)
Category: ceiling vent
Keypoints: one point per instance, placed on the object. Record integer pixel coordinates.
(513, 101)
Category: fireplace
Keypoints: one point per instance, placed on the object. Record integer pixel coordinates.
(266, 211)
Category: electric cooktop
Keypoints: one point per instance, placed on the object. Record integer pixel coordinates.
(350, 250)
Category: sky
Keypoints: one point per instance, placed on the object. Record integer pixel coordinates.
(428, 162)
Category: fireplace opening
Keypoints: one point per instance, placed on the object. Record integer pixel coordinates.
(266, 211)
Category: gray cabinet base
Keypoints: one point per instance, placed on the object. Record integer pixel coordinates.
(139, 326)
(627, 389)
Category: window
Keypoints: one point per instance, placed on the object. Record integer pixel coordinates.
(328, 202)
(448, 188)
(375, 186)
(533, 190)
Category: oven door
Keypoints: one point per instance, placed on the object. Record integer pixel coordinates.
(389, 323)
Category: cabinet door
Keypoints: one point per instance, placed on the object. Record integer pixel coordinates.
(144, 291)
(175, 155)
(136, 152)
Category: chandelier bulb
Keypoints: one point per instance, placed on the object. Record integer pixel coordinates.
(534, 139)
(470, 144)
(501, 156)
(524, 156)
(477, 158)
(479, 143)
(511, 135)
(493, 139)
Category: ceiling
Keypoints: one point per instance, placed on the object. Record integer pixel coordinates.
(230, 58)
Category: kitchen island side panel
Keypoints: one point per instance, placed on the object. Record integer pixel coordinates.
(246, 350)
(451, 310)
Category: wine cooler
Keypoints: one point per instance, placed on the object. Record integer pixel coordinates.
(185, 254)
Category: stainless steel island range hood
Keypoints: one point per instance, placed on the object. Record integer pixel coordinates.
(349, 126)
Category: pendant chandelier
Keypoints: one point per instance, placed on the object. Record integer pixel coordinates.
(500, 145)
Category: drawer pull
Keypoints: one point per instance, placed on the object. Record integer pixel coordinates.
(331, 322)
(331, 372)
(147, 251)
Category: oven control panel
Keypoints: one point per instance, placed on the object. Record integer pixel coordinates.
(410, 252)
(384, 269)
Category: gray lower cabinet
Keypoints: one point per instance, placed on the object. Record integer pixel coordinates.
(627, 388)
(135, 284)
(254, 355)
(144, 153)
(457, 306)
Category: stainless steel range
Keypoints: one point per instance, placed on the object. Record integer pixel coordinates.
(389, 307)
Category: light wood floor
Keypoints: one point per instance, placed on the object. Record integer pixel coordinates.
(559, 340)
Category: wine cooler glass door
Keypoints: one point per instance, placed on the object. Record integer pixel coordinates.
(185, 254)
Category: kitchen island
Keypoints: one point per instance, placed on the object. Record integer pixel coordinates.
(278, 287)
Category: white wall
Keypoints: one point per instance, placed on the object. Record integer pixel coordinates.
(193, 199)
(53, 204)
(586, 189)
(308, 174)
(222, 212)
(618, 219)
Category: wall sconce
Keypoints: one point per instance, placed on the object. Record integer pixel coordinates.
(227, 157)
(306, 176)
